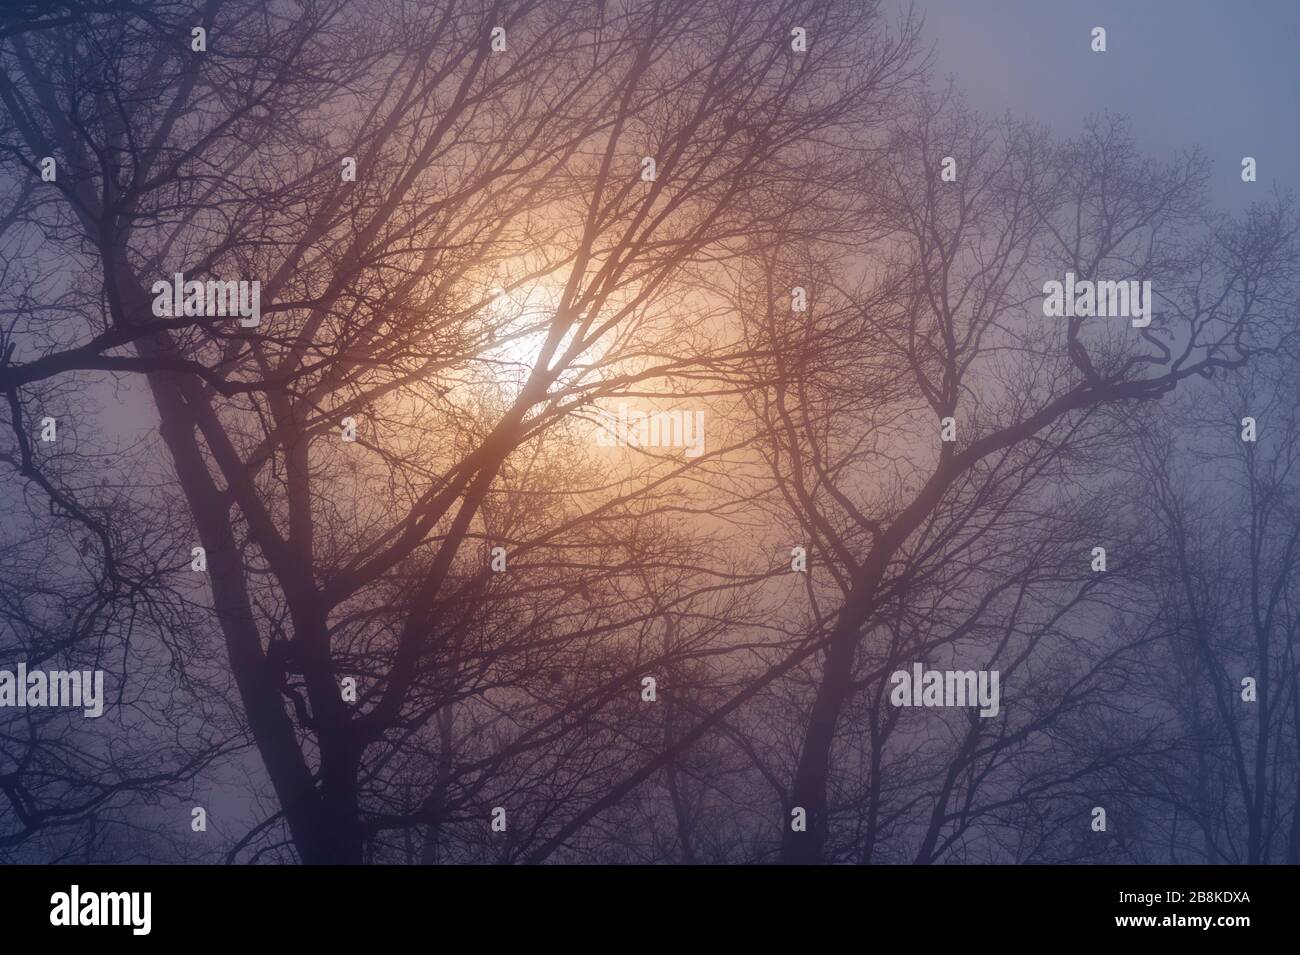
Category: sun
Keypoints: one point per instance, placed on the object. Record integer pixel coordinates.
(520, 319)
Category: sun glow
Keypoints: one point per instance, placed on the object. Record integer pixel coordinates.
(518, 321)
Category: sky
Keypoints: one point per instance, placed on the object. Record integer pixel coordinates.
(1220, 74)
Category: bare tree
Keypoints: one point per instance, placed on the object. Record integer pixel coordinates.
(504, 216)
(954, 329)
(391, 532)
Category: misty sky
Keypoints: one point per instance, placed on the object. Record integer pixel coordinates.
(1219, 75)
